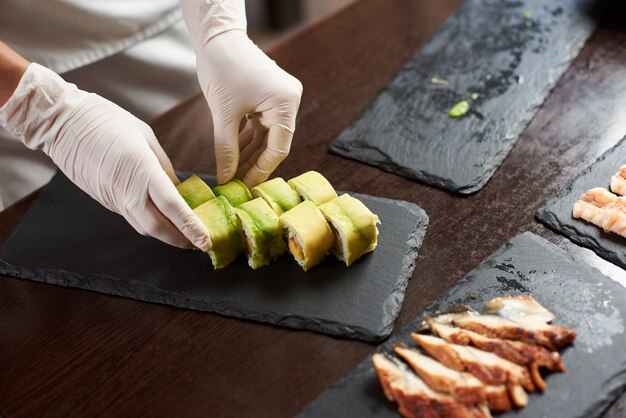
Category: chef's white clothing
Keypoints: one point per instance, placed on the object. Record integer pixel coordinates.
(136, 53)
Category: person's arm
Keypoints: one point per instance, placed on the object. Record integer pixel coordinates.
(107, 152)
(12, 67)
(239, 80)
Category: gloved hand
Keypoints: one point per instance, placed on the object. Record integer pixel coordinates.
(104, 150)
(239, 80)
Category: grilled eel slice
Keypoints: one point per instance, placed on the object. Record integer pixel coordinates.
(415, 399)
(534, 332)
(487, 367)
(518, 352)
(463, 386)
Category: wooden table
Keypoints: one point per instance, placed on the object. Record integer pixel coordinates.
(67, 352)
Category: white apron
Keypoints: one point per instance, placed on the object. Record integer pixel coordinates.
(135, 53)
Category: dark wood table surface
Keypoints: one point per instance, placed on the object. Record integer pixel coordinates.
(67, 352)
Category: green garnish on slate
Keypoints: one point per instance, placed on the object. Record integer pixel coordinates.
(528, 14)
(459, 109)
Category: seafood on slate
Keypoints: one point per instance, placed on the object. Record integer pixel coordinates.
(463, 386)
(602, 208)
(486, 360)
(415, 398)
(618, 181)
(521, 353)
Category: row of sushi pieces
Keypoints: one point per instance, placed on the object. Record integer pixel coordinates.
(471, 364)
(603, 208)
(303, 215)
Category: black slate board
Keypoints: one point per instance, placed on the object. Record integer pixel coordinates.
(557, 212)
(487, 47)
(68, 239)
(580, 297)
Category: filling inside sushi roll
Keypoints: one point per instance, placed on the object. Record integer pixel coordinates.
(295, 247)
(309, 236)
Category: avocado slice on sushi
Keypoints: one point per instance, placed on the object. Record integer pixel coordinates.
(262, 230)
(278, 194)
(195, 191)
(235, 191)
(353, 225)
(314, 187)
(220, 219)
(309, 236)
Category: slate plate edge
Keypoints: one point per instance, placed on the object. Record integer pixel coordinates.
(152, 294)
(386, 163)
(545, 215)
(364, 366)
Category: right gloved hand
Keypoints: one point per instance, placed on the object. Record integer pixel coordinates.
(107, 152)
(238, 80)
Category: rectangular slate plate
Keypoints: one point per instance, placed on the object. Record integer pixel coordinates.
(557, 212)
(68, 239)
(580, 297)
(509, 52)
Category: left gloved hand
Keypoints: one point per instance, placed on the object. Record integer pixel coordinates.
(107, 152)
(239, 80)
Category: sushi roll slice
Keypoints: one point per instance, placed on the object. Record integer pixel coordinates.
(314, 187)
(308, 235)
(195, 191)
(278, 194)
(220, 219)
(263, 232)
(353, 225)
(235, 191)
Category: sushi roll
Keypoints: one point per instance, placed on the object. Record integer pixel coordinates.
(353, 225)
(220, 219)
(235, 191)
(314, 187)
(263, 232)
(195, 191)
(308, 235)
(278, 194)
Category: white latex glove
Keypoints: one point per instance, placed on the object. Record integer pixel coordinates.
(104, 150)
(238, 79)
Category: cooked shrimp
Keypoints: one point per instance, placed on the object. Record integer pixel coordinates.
(618, 181)
(602, 208)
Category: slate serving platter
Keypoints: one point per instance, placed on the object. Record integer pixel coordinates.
(580, 297)
(557, 212)
(490, 47)
(68, 239)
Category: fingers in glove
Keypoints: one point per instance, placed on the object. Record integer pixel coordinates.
(245, 137)
(226, 138)
(164, 160)
(251, 152)
(150, 222)
(173, 207)
(278, 146)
